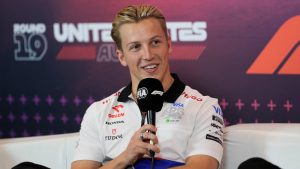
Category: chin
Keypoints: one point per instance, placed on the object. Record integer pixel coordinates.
(153, 76)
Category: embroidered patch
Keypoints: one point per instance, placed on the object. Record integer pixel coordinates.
(174, 113)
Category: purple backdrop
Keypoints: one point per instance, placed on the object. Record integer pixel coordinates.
(57, 58)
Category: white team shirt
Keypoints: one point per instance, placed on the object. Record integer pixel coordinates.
(188, 124)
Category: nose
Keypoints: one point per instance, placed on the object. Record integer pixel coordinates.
(148, 53)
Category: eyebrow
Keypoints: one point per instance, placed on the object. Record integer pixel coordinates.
(135, 42)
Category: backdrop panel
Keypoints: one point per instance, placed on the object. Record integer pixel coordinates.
(57, 58)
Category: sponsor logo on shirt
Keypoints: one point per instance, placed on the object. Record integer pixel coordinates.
(188, 96)
(116, 137)
(117, 108)
(216, 139)
(178, 105)
(116, 115)
(216, 126)
(116, 111)
(114, 122)
(218, 133)
(218, 110)
(174, 113)
(217, 119)
(114, 131)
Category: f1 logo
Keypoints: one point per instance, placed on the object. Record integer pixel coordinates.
(282, 53)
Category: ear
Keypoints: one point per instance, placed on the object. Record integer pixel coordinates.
(121, 57)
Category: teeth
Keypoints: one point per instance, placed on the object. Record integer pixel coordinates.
(150, 67)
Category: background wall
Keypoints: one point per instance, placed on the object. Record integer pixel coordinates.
(56, 58)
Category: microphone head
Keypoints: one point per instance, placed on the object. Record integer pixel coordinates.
(150, 95)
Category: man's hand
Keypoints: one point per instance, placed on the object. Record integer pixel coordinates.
(138, 146)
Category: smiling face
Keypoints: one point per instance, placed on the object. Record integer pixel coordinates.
(145, 50)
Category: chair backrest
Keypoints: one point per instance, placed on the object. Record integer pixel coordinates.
(275, 142)
(54, 151)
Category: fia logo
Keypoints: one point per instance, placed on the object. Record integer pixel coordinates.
(142, 93)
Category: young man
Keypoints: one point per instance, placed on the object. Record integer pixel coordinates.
(188, 128)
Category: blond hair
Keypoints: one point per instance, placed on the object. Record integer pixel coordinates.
(135, 14)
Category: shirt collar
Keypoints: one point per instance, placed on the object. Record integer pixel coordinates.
(169, 96)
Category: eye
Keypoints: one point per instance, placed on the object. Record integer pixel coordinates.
(155, 42)
(134, 47)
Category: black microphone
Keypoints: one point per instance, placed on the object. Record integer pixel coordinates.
(150, 99)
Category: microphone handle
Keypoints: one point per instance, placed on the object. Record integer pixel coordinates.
(151, 120)
(151, 117)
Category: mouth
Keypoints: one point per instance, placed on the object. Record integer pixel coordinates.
(150, 68)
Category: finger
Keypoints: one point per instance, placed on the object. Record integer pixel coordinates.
(141, 149)
(144, 148)
(142, 136)
(149, 136)
(148, 127)
(147, 147)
